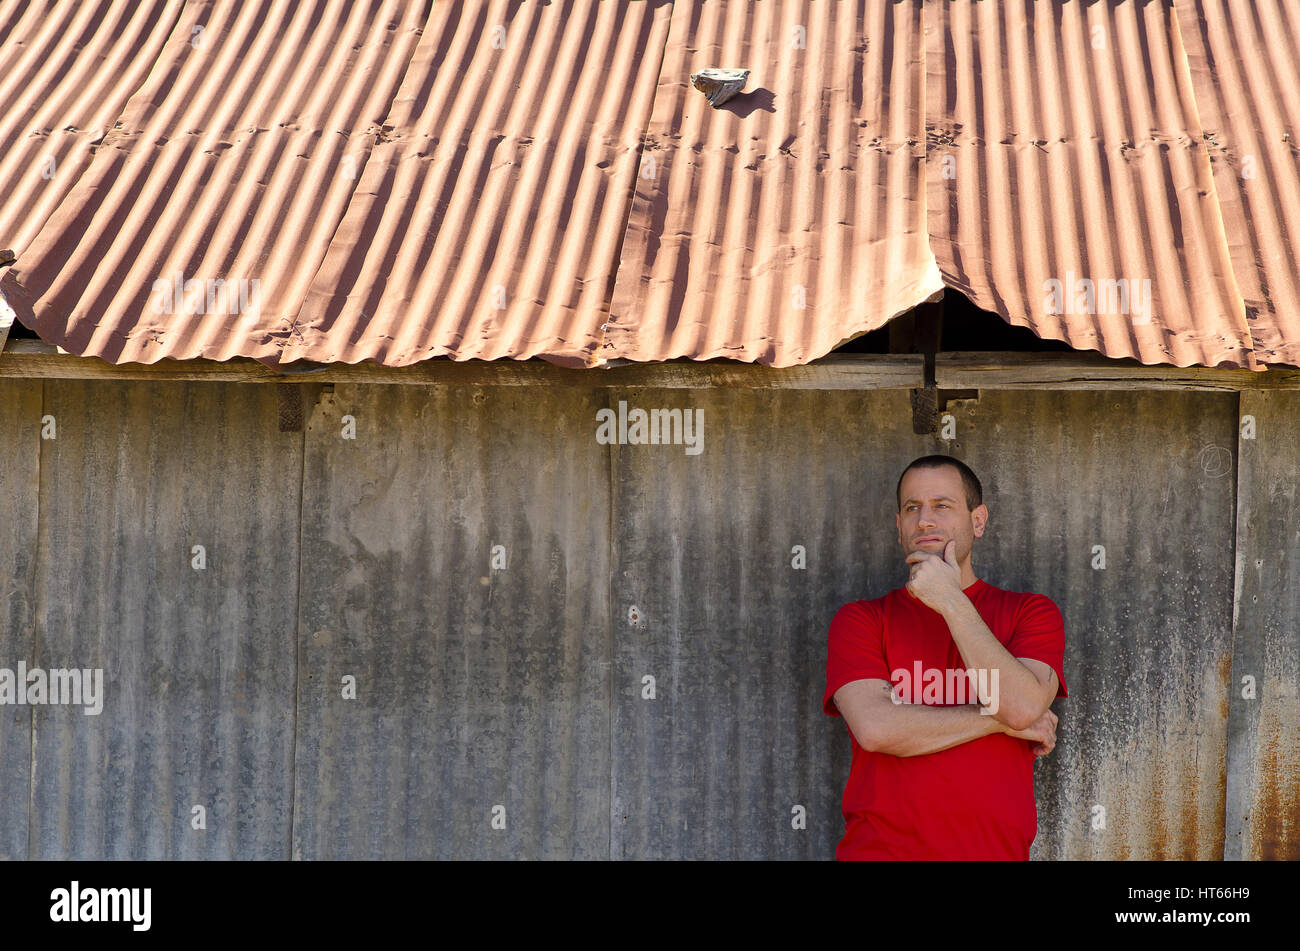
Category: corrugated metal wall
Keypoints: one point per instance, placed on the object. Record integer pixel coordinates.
(20, 422)
(709, 600)
(476, 686)
(198, 662)
(501, 707)
(1264, 724)
(1147, 477)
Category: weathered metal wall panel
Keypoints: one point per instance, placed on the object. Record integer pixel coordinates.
(20, 418)
(476, 686)
(198, 663)
(1263, 814)
(1148, 476)
(708, 601)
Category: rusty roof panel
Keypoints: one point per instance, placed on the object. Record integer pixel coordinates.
(1242, 57)
(489, 226)
(230, 164)
(1073, 153)
(68, 68)
(791, 218)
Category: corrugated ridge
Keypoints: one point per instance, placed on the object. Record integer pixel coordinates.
(1103, 135)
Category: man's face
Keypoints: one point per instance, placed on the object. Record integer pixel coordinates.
(934, 513)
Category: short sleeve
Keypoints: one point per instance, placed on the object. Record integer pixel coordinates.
(855, 650)
(1040, 635)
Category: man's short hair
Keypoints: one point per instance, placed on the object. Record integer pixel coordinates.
(970, 482)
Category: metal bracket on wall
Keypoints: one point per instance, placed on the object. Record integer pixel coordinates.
(922, 333)
(929, 404)
(290, 407)
(925, 410)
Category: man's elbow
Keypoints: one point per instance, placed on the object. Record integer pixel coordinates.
(869, 737)
(1019, 715)
(1013, 720)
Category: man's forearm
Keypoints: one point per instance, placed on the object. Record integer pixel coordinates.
(981, 650)
(914, 729)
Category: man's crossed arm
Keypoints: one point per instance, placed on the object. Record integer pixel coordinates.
(1027, 687)
(880, 725)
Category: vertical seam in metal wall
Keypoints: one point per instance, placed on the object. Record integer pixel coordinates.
(1238, 575)
(611, 615)
(297, 630)
(36, 615)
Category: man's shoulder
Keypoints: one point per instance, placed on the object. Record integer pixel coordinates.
(1018, 597)
(1023, 610)
(867, 609)
(870, 604)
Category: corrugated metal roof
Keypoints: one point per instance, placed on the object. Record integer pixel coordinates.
(504, 179)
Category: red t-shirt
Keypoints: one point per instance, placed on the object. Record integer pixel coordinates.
(972, 801)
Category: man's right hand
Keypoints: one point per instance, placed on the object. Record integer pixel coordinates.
(1041, 734)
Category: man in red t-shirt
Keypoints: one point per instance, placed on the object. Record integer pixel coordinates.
(945, 686)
